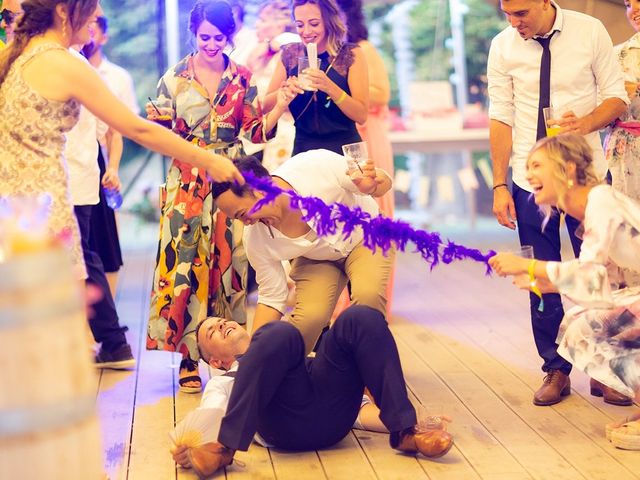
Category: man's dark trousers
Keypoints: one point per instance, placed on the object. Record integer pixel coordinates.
(104, 323)
(546, 246)
(307, 404)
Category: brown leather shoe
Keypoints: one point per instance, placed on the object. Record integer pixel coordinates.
(609, 394)
(555, 386)
(209, 458)
(430, 443)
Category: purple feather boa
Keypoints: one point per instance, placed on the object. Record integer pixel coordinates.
(379, 232)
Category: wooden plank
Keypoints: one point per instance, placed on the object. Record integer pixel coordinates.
(388, 464)
(475, 443)
(296, 465)
(257, 465)
(116, 392)
(346, 460)
(575, 448)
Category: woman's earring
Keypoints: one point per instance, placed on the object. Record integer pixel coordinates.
(569, 183)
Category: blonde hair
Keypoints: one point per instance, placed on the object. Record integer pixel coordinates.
(562, 150)
(334, 24)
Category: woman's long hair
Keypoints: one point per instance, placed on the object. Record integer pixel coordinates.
(561, 150)
(38, 17)
(356, 25)
(332, 18)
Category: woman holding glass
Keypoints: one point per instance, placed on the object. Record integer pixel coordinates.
(201, 266)
(601, 334)
(337, 92)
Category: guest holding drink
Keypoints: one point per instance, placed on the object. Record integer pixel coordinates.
(336, 94)
(601, 334)
(42, 84)
(201, 266)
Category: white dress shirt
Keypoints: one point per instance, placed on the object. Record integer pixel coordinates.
(318, 173)
(120, 83)
(584, 71)
(81, 152)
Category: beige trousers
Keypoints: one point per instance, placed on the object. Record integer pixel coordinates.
(320, 282)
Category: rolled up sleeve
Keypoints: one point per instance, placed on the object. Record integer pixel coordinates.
(501, 107)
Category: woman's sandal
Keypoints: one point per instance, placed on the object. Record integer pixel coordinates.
(627, 437)
(187, 367)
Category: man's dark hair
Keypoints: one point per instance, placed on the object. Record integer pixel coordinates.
(244, 164)
(200, 352)
(103, 24)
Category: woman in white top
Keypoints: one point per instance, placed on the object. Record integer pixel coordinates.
(601, 334)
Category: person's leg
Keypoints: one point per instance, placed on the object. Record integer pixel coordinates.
(104, 324)
(369, 275)
(357, 351)
(271, 372)
(546, 246)
(318, 284)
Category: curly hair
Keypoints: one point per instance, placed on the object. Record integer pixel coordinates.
(561, 150)
(38, 17)
(333, 20)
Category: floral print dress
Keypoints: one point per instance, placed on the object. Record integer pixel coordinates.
(601, 334)
(622, 148)
(32, 139)
(201, 267)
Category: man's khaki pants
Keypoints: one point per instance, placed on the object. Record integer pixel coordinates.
(320, 282)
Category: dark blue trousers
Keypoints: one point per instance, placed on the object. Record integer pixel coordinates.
(104, 324)
(546, 246)
(307, 404)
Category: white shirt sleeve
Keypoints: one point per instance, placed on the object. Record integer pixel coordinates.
(217, 392)
(606, 67)
(270, 274)
(500, 86)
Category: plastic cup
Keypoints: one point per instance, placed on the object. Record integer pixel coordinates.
(525, 251)
(550, 121)
(356, 155)
(303, 80)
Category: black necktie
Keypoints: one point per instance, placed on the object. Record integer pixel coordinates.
(545, 83)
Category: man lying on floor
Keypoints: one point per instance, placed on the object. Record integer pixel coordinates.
(299, 403)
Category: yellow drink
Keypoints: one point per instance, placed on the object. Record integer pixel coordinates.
(553, 131)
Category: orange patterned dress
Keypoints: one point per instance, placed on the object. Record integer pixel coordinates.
(201, 265)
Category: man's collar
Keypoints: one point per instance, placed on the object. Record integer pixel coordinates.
(557, 23)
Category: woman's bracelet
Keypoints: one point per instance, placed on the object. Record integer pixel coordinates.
(341, 98)
(500, 185)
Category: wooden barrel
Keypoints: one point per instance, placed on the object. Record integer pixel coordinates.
(48, 425)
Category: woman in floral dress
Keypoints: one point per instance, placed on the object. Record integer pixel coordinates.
(601, 334)
(201, 266)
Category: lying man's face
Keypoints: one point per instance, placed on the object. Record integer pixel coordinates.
(221, 340)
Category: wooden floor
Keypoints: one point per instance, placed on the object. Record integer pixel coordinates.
(466, 349)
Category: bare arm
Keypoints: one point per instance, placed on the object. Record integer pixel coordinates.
(500, 143)
(379, 87)
(76, 79)
(279, 76)
(356, 105)
(264, 314)
(114, 146)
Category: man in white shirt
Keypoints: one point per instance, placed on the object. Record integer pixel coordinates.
(296, 403)
(583, 72)
(320, 266)
(81, 153)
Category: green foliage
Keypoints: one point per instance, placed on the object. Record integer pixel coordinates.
(430, 27)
